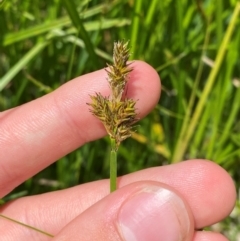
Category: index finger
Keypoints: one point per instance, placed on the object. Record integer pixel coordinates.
(36, 134)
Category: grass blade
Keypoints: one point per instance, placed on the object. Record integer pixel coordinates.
(21, 63)
(135, 27)
(180, 150)
(78, 23)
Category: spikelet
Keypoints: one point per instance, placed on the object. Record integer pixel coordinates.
(117, 113)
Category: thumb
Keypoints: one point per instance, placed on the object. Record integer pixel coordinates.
(141, 211)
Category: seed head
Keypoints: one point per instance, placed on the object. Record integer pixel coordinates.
(118, 114)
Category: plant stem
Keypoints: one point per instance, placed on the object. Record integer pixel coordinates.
(113, 166)
(26, 225)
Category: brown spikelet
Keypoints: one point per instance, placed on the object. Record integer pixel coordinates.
(118, 114)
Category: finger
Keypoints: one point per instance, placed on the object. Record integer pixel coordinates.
(139, 211)
(38, 133)
(209, 189)
(206, 187)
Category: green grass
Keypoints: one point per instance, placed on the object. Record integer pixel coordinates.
(44, 44)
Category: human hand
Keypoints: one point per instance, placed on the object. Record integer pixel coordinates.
(163, 203)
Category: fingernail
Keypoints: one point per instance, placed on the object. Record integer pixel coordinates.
(153, 214)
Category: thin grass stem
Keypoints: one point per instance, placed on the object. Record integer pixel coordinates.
(27, 226)
(113, 166)
(21, 64)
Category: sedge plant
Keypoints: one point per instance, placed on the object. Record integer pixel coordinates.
(116, 112)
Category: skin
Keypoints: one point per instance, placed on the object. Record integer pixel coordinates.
(36, 134)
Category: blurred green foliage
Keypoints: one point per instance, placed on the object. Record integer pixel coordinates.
(194, 46)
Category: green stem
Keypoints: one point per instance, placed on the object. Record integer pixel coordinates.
(113, 166)
(27, 226)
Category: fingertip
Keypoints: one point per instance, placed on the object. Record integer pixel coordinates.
(145, 85)
(214, 174)
(194, 179)
(216, 181)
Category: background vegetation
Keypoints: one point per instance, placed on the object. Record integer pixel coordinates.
(194, 46)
